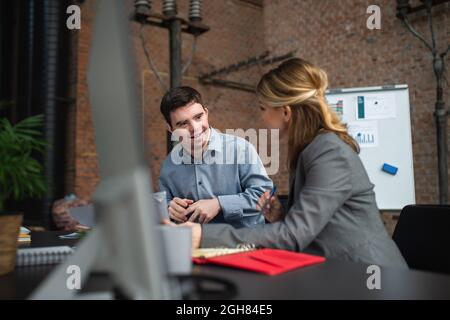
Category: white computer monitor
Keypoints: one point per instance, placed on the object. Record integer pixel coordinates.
(124, 242)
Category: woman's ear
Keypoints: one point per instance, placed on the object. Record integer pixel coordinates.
(287, 113)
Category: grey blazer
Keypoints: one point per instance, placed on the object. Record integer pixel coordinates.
(332, 211)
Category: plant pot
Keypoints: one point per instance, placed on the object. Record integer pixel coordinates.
(9, 231)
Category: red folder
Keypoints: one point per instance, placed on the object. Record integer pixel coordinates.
(267, 261)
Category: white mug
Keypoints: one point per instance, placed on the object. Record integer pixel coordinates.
(178, 248)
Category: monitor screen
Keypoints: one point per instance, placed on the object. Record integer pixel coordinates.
(124, 242)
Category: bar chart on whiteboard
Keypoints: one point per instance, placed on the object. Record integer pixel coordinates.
(365, 133)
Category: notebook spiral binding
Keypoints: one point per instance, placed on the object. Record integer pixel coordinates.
(220, 251)
(42, 256)
(249, 246)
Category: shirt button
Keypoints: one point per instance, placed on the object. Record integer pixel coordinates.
(200, 183)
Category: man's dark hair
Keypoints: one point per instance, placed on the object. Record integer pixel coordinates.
(178, 97)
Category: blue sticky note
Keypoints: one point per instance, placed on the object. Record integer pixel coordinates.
(389, 169)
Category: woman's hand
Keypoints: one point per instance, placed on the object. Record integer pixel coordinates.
(271, 208)
(196, 230)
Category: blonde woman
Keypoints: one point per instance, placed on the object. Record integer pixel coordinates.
(332, 209)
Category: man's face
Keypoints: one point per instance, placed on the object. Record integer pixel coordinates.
(191, 123)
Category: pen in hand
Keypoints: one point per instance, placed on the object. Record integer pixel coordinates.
(267, 201)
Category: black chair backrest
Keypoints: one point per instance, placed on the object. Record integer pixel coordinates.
(423, 236)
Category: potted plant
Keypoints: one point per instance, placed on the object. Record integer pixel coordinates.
(21, 176)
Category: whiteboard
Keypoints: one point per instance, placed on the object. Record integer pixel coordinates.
(379, 119)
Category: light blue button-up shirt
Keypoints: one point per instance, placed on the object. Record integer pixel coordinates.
(230, 170)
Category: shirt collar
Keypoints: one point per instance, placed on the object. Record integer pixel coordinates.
(215, 141)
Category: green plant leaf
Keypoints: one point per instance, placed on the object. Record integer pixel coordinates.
(21, 175)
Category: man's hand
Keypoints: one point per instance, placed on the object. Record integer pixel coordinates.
(177, 209)
(204, 210)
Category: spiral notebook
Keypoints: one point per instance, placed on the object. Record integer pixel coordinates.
(267, 261)
(203, 253)
(42, 256)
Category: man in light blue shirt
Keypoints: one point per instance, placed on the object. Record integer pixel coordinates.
(209, 176)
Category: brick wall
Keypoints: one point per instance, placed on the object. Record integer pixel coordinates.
(332, 34)
(236, 34)
(86, 167)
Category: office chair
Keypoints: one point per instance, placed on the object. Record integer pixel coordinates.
(423, 236)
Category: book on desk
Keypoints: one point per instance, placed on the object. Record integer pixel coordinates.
(266, 261)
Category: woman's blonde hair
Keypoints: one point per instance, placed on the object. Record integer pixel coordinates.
(301, 85)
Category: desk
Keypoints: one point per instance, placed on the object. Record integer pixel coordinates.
(331, 280)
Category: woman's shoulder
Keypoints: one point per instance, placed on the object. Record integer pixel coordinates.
(328, 145)
(329, 137)
(326, 141)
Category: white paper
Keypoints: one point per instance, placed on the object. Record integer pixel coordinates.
(24, 230)
(376, 106)
(364, 132)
